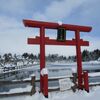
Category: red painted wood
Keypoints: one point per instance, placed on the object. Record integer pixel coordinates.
(51, 25)
(45, 88)
(42, 41)
(42, 55)
(86, 81)
(79, 59)
(36, 41)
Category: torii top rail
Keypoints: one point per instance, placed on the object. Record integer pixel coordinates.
(42, 41)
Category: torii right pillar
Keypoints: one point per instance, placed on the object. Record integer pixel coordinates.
(82, 76)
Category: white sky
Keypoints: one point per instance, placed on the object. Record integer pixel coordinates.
(13, 34)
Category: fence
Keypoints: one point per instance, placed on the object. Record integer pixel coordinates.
(33, 82)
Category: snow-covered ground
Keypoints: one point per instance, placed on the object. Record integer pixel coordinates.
(18, 90)
(66, 95)
(94, 74)
(55, 70)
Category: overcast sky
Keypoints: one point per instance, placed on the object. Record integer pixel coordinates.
(13, 34)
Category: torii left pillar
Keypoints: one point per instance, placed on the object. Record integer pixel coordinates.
(44, 89)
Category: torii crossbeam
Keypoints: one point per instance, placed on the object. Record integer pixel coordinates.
(42, 41)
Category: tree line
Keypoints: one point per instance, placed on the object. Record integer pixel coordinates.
(93, 55)
(30, 57)
(88, 55)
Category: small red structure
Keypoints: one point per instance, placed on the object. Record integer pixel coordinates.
(42, 41)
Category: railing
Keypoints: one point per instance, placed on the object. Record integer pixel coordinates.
(32, 82)
(9, 71)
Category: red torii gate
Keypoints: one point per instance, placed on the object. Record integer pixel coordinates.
(42, 41)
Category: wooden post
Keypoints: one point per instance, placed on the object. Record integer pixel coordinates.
(33, 85)
(45, 88)
(86, 82)
(44, 74)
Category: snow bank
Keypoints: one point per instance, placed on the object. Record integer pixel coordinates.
(94, 62)
(94, 74)
(18, 90)
(67, 95)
